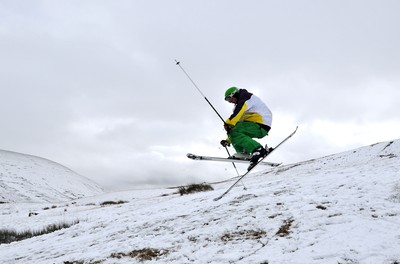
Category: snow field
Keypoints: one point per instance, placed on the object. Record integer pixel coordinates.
(343, 208)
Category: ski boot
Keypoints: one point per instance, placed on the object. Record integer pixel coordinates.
(257, 154)
(240, 156)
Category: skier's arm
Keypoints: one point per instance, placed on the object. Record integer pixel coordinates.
(237, 113)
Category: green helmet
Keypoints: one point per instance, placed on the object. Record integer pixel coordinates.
(231, 92)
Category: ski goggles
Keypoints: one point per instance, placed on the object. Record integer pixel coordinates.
(229, 96)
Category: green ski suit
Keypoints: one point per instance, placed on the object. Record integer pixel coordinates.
(251, 118)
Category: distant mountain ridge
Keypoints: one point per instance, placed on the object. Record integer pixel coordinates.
(27, 178)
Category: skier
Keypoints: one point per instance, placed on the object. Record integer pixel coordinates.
(251, 118)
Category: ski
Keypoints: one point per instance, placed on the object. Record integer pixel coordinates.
(251, 168)
(236, 160)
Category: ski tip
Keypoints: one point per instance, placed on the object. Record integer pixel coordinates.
(216, 199)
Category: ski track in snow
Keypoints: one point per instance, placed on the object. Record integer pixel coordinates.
(343, 208)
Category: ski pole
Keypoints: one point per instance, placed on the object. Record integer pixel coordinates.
(215, 110)
(198, 89)
(234, 165)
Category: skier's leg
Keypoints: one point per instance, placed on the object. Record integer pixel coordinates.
(242, 136)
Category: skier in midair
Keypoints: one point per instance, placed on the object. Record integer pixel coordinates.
(251, 118)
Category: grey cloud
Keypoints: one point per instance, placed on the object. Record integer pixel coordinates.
(93, 84)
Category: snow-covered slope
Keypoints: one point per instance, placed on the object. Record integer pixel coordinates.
(343, 208)
(26, 178)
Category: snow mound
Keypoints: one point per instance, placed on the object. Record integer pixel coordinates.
(26, 178)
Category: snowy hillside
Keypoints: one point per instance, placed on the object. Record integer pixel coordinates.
(26, 178)
(343, 208)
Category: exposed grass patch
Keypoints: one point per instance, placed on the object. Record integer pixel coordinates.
(47, 208)
(390, 156)
(243, 235)
(388, 145)
(112, 202)
(334, 215)
(193, 188)
(284, 230)
(83, 262)
(142, 254)
(9, 235)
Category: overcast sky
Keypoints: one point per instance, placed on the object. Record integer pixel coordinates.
(93, 85)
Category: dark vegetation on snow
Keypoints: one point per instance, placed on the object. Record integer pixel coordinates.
(142, 254)
(193, 188)
(48, 208)
(112, 202)
(244, 234)
(284, 230)
(83, 262)
(9, 235)
(321, 207)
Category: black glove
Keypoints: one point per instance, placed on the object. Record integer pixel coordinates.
(228, 128)
(225, 143)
